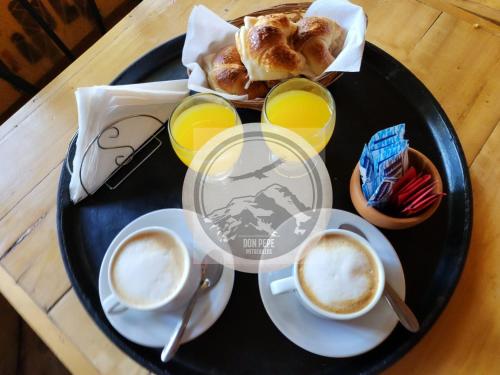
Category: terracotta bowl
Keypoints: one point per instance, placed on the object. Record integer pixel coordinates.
(374, 216)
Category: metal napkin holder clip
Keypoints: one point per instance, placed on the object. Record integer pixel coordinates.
(112, 131)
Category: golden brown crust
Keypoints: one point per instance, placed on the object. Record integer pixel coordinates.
(281, 57)
(280, 20)
(268, 43)
(294, 17)
(310, 27)
(319, 51)
(270, 30)
(228, 74)
(227, 55)
(275, 47)
(257, 89)
(320, 40)
(230, 78)
(263, 36)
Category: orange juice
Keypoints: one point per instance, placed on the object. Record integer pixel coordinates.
(196, 125)
(306, 113)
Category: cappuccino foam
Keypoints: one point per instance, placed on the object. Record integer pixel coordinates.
(338, 274)
(148, 268)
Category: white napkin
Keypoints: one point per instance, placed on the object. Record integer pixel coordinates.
(352, 18)
(101, 106)
(207, 33)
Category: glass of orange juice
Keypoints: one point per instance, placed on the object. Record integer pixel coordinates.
(303, 106)
(196, 120)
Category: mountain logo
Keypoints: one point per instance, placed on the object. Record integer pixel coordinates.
(262, 207)
(258, 215)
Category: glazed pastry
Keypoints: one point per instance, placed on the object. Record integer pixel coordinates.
(320, 40)
(226, 73)
(264, 46)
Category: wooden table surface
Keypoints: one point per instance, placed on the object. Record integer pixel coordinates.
(453, 46)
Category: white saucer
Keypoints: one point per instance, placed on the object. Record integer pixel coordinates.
(332, 338)
(153, 328)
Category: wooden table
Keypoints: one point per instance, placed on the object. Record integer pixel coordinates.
(452, 46)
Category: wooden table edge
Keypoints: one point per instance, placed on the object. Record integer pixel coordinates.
(47, 329)
(38, 319)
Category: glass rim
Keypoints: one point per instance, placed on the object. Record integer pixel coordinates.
(332, 105)
(190, 97)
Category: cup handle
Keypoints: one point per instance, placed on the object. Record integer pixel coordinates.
(111, 305)
(282, 285)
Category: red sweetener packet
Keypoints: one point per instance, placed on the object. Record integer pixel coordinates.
(408, 177)
(405, 194)
(418, 207)
(420, 194)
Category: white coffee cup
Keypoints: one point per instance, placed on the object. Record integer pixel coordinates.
(162, 274)
(293, 282)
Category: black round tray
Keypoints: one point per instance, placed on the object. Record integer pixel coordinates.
(244, 340)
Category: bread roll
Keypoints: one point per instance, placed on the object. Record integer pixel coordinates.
(320, 40)
(226, 73)
(264, 46)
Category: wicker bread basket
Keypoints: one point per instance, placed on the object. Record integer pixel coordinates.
(325, 79)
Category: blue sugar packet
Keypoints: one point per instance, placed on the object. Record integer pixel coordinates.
(383, 161)
(367, 172)
(385, 137)
(366, 165)
(382, 193)
(388, 161)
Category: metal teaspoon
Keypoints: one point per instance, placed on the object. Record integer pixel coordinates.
(210, 276)
(405, 315)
